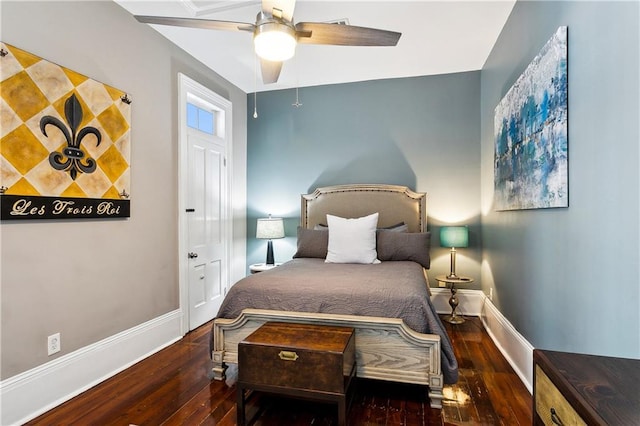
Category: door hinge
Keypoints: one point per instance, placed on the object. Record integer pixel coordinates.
(224, 161)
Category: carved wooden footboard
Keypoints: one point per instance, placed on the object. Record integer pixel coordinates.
(386, 349)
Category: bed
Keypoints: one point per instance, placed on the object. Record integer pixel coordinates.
(399, 336)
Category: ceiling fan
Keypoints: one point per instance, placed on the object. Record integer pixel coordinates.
(275, 35)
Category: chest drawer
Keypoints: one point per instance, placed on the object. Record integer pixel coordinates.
(298, 356)
(551, 406)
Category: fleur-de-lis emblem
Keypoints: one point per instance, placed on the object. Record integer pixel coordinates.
(71, 157)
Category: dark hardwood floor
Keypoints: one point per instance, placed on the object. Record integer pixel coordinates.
(173, 387)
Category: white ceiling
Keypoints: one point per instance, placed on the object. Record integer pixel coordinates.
(438, 37)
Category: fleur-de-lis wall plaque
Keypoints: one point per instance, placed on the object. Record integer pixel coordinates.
(71, 158)
(66, 149)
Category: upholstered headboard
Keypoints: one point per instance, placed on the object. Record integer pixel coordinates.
(394, 204)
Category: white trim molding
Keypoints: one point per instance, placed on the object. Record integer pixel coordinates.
(514, 347)
(34, 392)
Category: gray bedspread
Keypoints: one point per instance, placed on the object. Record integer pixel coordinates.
(390, 289)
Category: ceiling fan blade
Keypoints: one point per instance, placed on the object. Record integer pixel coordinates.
(270, 71)
(206, 24)
(344, 35)
(284, 8)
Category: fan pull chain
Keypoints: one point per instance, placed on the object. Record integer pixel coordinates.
(297, 103)
(255, 105)
(255, 86)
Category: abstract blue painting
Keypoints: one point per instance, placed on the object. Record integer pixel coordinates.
(530, 125)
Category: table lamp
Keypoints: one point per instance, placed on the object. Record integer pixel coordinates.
(269, 229)
(454, 236)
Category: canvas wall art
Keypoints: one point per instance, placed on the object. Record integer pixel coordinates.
(65, 142)
(531, 141)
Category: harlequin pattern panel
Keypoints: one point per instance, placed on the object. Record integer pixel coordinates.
(65, 141)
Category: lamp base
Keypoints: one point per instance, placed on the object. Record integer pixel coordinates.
(452, 273)
(270, 260)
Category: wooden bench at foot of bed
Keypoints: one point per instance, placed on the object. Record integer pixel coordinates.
(386, 349)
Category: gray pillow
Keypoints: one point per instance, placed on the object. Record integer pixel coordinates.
(312, 243)
(400, 227)
(412, 246)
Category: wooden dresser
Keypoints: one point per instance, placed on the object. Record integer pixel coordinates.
(299, 360)
(576, 389)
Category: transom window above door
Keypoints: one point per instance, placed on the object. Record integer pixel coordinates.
(200, 119)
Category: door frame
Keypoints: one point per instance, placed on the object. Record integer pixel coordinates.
(187, 86)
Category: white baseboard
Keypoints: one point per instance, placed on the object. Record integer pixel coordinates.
(516, 349)
(29, 394)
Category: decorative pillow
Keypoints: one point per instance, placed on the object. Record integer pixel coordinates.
(412, 246)
(398, 227)
(312, 243)
(352, 240)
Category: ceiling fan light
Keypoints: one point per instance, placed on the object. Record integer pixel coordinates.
(275, 44)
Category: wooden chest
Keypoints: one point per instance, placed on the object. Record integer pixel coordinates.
(299, 360)
(577, 389)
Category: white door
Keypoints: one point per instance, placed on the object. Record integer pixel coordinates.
(206, 234)
(204, 202)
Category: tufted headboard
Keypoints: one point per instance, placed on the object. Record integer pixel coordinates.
(394, 204)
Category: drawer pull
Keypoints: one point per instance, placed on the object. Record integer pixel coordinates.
(288, 355)
(555, 418)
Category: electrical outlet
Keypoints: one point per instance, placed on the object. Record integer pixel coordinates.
(53, 344)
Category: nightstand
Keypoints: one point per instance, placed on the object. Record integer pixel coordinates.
(454, 318)
(261, 267)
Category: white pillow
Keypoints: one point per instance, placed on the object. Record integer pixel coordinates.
(352, 240)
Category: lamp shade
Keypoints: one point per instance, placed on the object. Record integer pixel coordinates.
(270, 228)
(454, 236)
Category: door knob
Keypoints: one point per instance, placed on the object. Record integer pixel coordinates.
(192, 255)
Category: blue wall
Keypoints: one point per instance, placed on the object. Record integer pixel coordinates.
(568, 279)
(421, 132)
